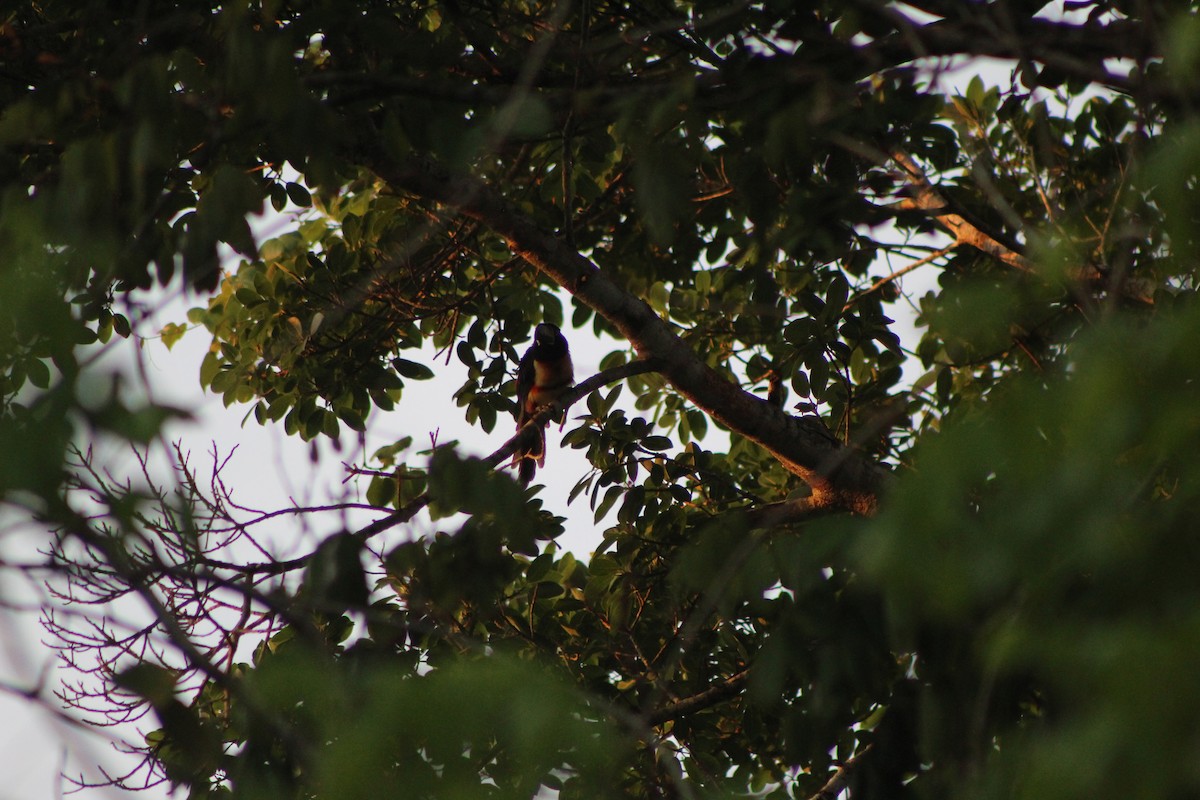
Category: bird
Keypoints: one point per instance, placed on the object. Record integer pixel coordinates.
(543, 374)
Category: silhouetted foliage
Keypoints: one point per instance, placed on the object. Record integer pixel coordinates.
(960, 562)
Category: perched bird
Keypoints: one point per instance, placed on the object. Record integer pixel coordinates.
(776, 391)
(545, 372)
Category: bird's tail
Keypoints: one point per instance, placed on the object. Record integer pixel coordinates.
(531, 454)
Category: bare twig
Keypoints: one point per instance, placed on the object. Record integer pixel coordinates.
(907, 268)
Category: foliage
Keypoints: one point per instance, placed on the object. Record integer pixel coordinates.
(964, 567)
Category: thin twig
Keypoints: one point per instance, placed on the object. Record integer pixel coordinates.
(920, 262)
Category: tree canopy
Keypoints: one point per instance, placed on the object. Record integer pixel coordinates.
(950, 563)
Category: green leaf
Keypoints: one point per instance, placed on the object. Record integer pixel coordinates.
(248, 297)
(298, 195)
(172, 333)
(411, 369)
(153, 683)
(121, 326)
(656, 443)
(610, 497)
(38, 373)
(382, 491)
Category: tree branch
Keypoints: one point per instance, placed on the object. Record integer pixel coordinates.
(717, 693)
(837, 783)
(1071, 49)
(900, 273)
(928, 199)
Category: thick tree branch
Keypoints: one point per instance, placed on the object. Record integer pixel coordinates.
(928, 199)
(838, 476)
(717, 693)
(785, 512)
(978, 29)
